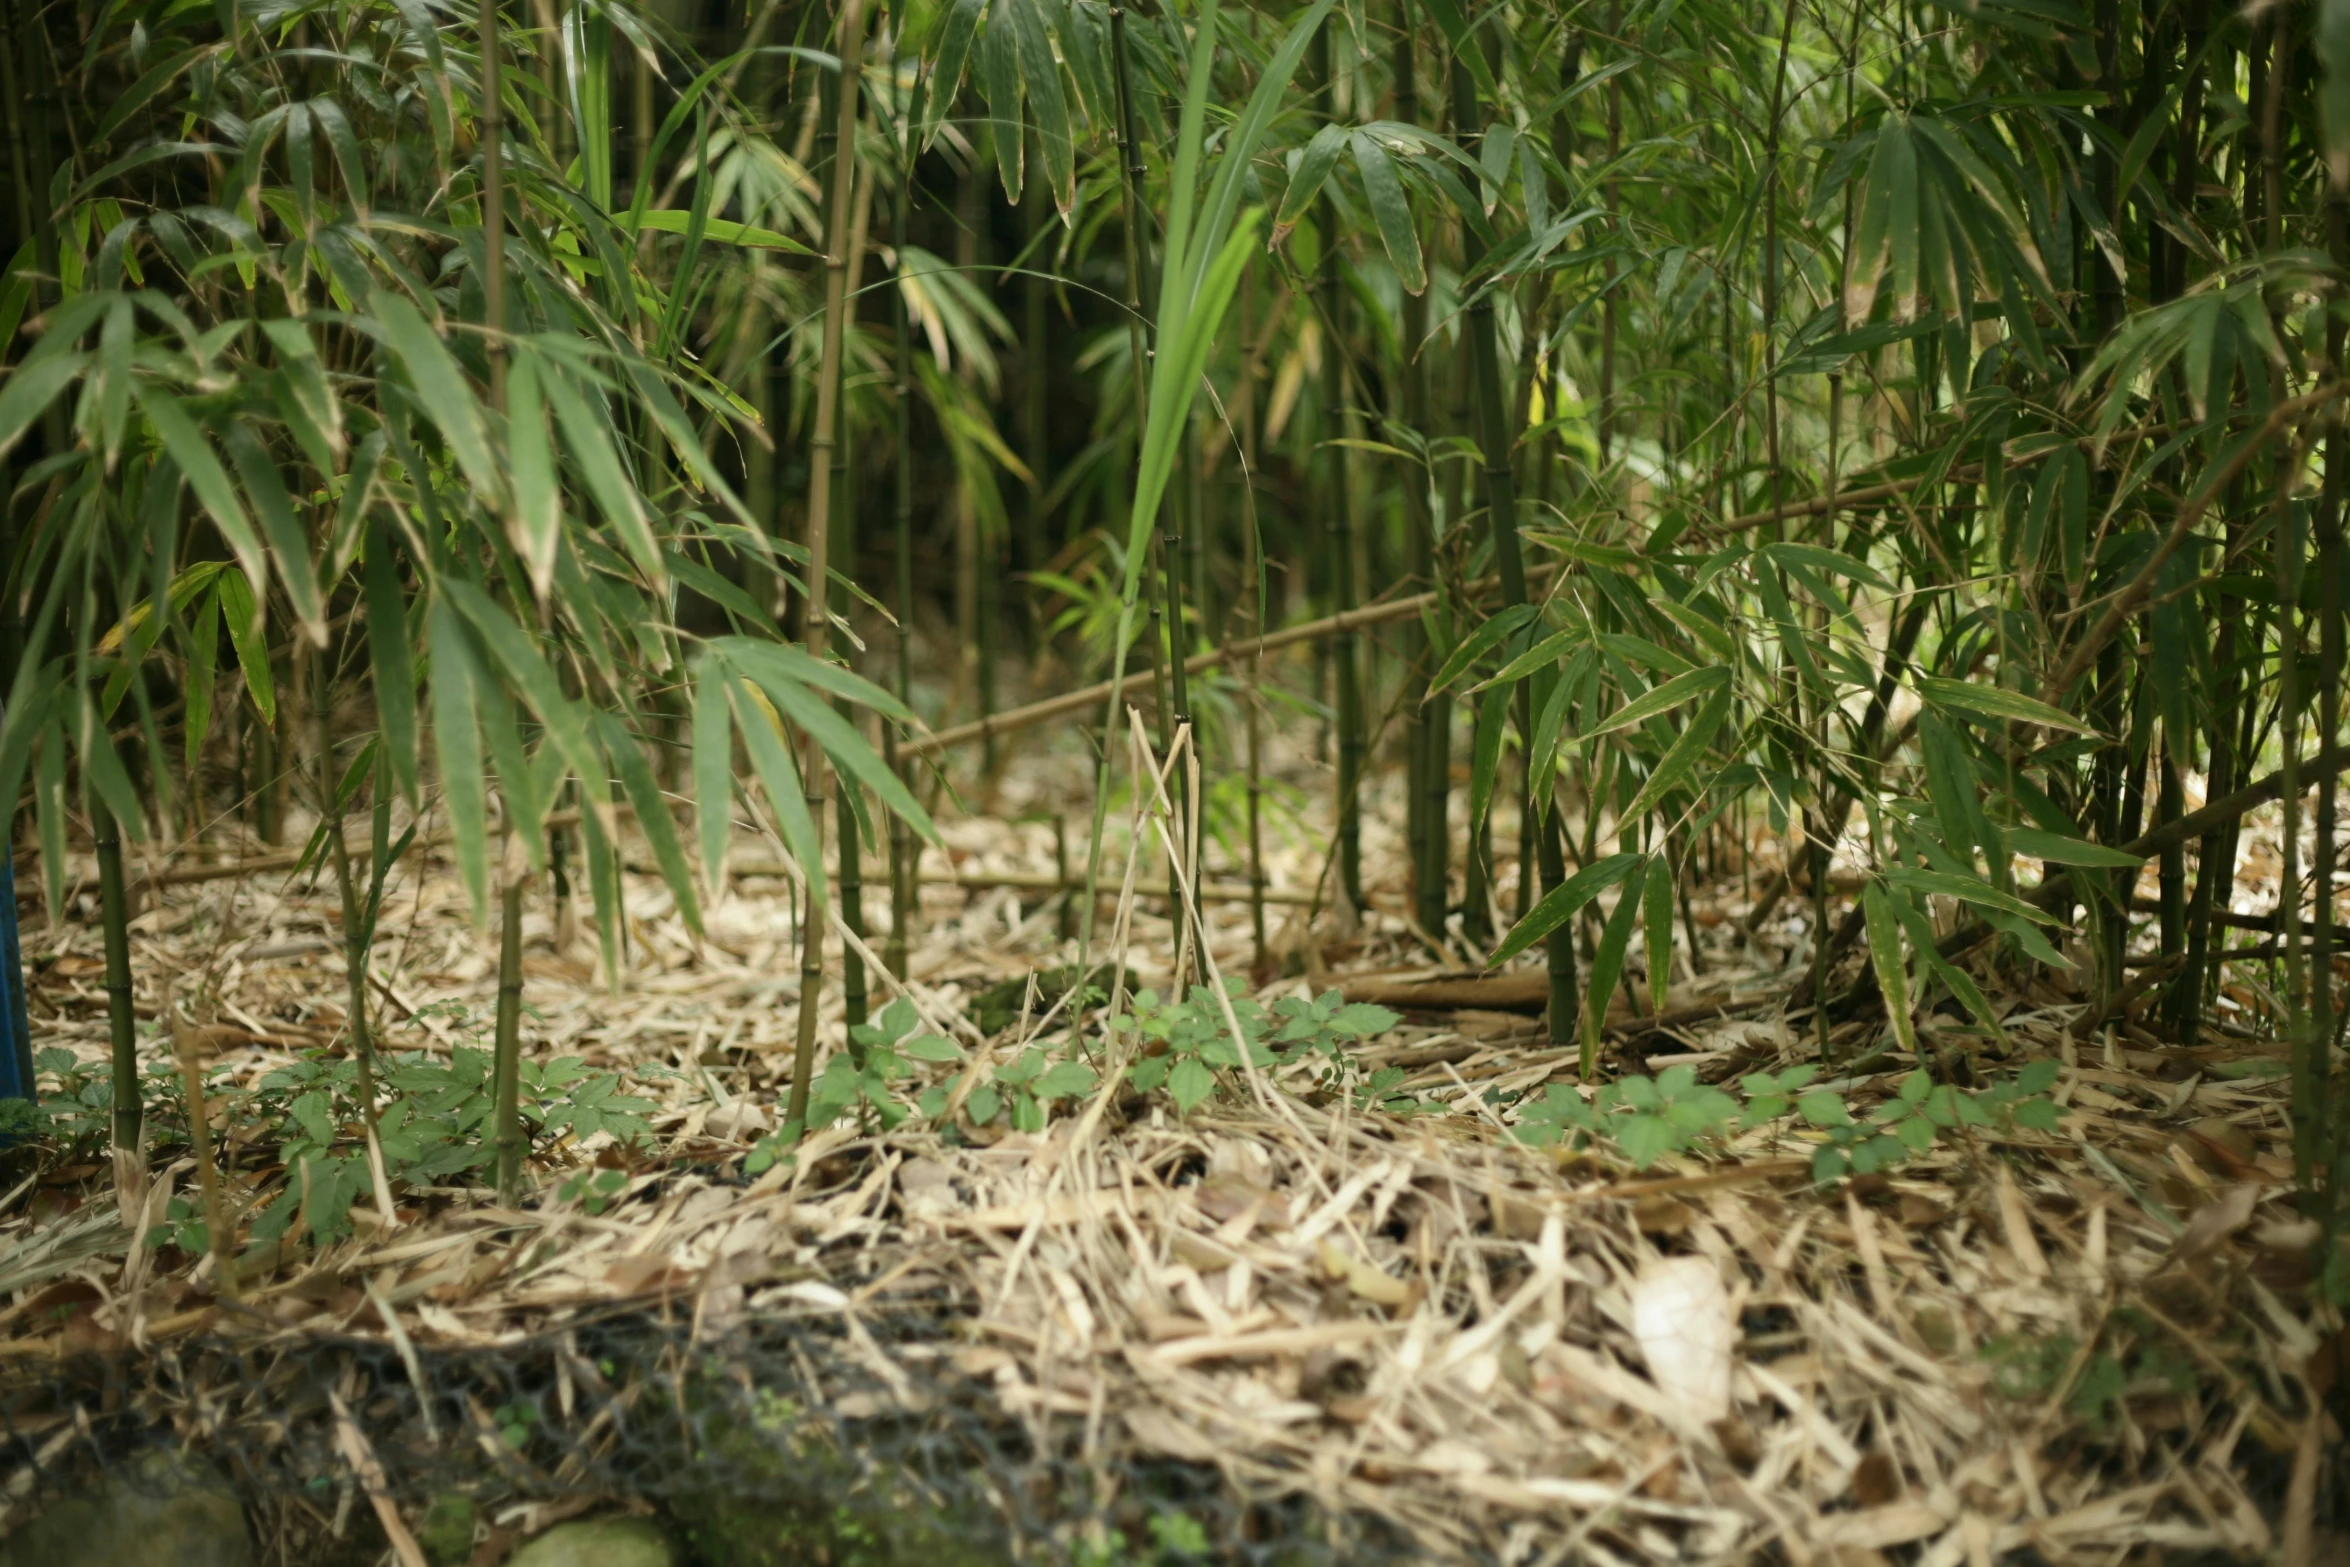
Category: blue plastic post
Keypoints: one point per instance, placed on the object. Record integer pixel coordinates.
(16, 1032)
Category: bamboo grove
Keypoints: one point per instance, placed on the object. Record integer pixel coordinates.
(1911, 429)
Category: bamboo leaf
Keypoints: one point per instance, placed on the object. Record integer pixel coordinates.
(1047, 104)
(241, 608)
(1884, 936)
(713, 765)
(456, 726)
(1996, 703)
(286, 543)
(197, 460)
(1306, 179)
(392, 670)
(2059, 849)
(442, 393)
(626, 759)
(1656, 914)
(1480, 642)
(771, 761)
(536, 520)
(1663, 699)
(1966, 889)
(1562, 903)
(1607, 966)
(1681, 761)
(960, 27)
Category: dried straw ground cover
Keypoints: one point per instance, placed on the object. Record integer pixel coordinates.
(2077, 1344)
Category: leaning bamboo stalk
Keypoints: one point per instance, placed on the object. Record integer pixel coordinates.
(1059, 881)
(813, 767)
(1091, 696)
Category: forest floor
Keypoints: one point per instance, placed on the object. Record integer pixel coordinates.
(2095, 1343)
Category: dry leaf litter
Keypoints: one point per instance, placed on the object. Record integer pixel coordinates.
(2095, 1345)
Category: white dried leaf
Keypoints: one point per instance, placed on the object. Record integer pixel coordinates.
(1681, 1316)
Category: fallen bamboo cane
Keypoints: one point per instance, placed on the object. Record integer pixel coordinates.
(998, 724)
(1046, 881)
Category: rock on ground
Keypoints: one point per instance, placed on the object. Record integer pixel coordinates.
(161, 1511)
(604, 1542)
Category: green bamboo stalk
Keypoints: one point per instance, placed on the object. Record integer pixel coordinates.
(1035, 378)
(1429, 765)
(506, 1036)
(903, 859)
(122, 1026)
(814, 768)
(1169, 656)
(1502, 509)
(506, 1055)
(851, 856)
(1338, 520)
(1252, 569)
(2310, 1068)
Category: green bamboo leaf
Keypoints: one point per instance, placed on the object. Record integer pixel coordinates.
(241, 609)
(1562, 903)
(1607, 965)
(771, 761)
(1663, 699)
(1485, 753)
(1679, 762)
(782, 661)
(1996, 703)
(1966, 889)
(626, 759)
(392, 669)
(442, 393)
(1480, 642)
(284, 529)
(1885, 953)
(713, 765)
(31, 388)
(679, 220)
(535, 524)
(1815, 558)
(2059, 849)
(1541, 656)
(1656, 913)
(847, 748)
(196, 459)
(603, 862)
(1047, 104)
(999, 84)
(960, 26)
(527, 672)
(1306, 179)
(1961, 984)
(456, 724)
(203, 655)
(595, 448)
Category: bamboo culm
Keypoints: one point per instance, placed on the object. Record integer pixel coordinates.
(1502, 510)
(814, 768)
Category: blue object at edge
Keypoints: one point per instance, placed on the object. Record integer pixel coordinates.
(16, 1033)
